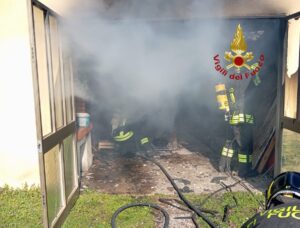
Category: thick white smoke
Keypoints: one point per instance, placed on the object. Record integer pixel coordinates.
(136, 66)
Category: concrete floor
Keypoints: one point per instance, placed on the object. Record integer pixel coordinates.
(194, 172)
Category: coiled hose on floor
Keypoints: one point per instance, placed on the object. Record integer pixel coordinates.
(155, 206)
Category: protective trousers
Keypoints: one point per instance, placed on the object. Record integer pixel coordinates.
(240, 142)
(244, 140)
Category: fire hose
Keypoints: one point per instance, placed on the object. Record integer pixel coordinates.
(195, 209)
(181, 196)
(155, 206)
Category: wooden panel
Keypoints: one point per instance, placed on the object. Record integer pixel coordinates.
(267, 154)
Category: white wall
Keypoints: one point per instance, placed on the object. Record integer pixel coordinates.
(18, 153)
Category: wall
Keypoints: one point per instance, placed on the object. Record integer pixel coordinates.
(18, 153)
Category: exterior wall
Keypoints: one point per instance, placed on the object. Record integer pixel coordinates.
(18, 145)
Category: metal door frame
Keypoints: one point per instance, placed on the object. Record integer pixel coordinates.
(48, 142)
(281, 120)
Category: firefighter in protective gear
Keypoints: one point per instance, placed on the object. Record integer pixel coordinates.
(282, 204)
(130, 138)
(239, 132)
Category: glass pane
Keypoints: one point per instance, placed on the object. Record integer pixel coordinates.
(68, 71)
(56, 71)
(290, 96)
(69, 160)
(293, 46)
(53, 182)
(67, 82)
(72, 90)
(41, 55)
(290, 151)
(291, 78)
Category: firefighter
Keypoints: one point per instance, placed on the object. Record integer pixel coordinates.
(130, 138)
(282, 204)
(239, 140)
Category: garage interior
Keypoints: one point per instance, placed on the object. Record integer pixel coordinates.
(172, 87)
(154, 67)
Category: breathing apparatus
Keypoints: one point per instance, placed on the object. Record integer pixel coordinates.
(225, 99)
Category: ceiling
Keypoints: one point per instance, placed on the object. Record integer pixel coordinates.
(187, 9)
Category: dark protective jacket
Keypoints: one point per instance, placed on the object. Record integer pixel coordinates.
(281, 216)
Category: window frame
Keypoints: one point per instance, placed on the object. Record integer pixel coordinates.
(284, 122)
(57, 136)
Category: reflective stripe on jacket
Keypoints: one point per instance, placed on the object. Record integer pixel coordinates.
(241, 118)
(227, 152)
(121, 137)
